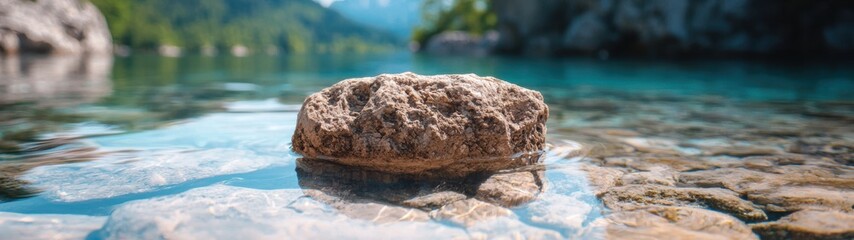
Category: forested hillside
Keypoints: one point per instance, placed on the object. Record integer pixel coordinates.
(289, 25)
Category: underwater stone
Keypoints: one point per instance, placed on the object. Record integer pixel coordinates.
(632, 197)
(449, 125)
(675, 223)
(510, 189)
(809, 224)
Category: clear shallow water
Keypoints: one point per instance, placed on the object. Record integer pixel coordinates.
(148, 146)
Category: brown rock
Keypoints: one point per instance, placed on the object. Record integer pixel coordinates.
(658, 176)
(602, 178)
(408, 123)
(782, 188)
(809, 224)
(630, 197)
(675, 223)
(788, 199)
(648, 162)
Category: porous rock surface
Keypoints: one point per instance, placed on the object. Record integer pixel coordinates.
(412, 124)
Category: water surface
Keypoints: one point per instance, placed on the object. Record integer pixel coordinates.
(131, 147)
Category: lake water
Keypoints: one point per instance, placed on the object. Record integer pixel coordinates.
(197, 147)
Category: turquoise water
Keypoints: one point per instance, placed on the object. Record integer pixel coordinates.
(93, 139)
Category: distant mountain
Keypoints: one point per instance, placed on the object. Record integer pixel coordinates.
(289, 25)
(396, 16)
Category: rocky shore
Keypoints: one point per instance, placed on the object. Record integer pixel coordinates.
(665, 28)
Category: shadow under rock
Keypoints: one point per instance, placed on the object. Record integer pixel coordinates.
(353, 184)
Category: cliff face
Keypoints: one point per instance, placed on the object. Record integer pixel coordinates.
(52, 26)
(676, 27)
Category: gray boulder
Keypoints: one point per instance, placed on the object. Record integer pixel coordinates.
(52, 26)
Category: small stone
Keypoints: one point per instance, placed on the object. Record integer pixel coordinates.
(809, 224)
(653, 161)
(785, 188)
(434, 200)
(675, 223)
(509, 189)
(790, 199)
(631, 197)
(470, 211)
(658, 176)
(450, 125)
(653, 145)
(602, 178)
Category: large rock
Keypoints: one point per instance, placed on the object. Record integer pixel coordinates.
(52, 26)
(677, 27)
(448, 125)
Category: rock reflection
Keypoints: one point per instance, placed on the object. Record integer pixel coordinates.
(11, 168)
(384, 197)
(29, 85)
(55, 81)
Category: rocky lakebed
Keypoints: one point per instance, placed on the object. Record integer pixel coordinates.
(425, 157)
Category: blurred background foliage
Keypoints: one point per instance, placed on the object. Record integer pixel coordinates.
(291, 26)
(472, 16)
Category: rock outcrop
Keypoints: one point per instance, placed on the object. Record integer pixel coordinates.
(52, 26)
(448, 125)
(676, 27)
(461, 43)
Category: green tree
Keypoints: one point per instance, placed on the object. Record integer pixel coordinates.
(472, 16)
